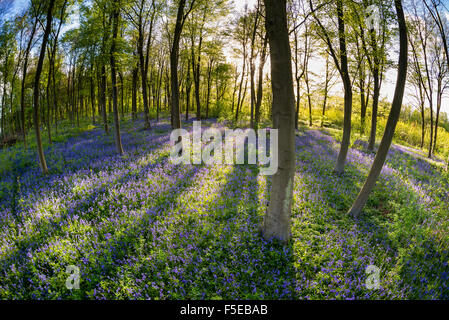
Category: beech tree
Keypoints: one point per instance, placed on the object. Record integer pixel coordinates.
(340, 58)
(143, 16)
(34, 12)
(174, 56)
(371, 51)
(393, 118)
(433, 7)
(115, 25)
(40, 150)
(277, 222)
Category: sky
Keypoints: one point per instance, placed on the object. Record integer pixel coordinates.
(389, 83)
(316, 66)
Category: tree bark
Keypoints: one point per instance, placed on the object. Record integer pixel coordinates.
(115, 16)
(393, 118)
(209, 83)
(340, 166)
(24, 74)
(188, 89)
(326, 91)
(143, 76)
(92, 94)
(134, 94)
(252, 67)
(40, 150)
(277, 219)
(174, 56)
(259, 94)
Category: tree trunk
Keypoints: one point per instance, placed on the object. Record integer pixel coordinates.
(393, 118)
(159, 92)
(24, 74)
(252, 67)
(5, 80)
(209, 83)
(122, 95)
(326, 92)
(196, 76)
(47, 89)
(376, 95)
(362, 102)
(441, 27)
(259, 94)
(115, 15)
(277, 219)
(340, 165)
(188, 90)
(309, 98)
(423, 126)
(437, 116)
(376, 92)
(42, 162)
(103, 97)
(92, 95)
(134, 94)
(174, 56)
(239, 100)
(298, 80)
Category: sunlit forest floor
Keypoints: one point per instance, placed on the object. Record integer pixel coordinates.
(139, 227)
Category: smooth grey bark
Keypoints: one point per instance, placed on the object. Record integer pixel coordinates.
(143, 75)
(102, 78)
(174, 56)
(115, 22)
(435, 13)
(259, 94)
(341, 160)
(24, 74)
(135, 76)
(326, 91)
(159, 90)
(375, 65)
(92, 93)
(277, 222)
(393, 118)
(298, 76)
(341, 63)
(209, 84)
(252, 66)
(240, 99)
(47, 90)
(196, 66)
(376, 95)
(5, 81)
(188, 89)
(103, 98)
(420, 85)
(40, 63)
(440, 92)
(423, 32)
(362, 85)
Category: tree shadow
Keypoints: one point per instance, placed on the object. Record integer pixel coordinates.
(341, 243)
(109, 251)
(232, 261)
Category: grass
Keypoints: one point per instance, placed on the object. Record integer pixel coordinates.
(139, 227)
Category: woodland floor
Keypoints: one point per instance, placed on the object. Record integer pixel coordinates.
(139, 227)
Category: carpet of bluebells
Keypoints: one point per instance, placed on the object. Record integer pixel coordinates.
(139, 227)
